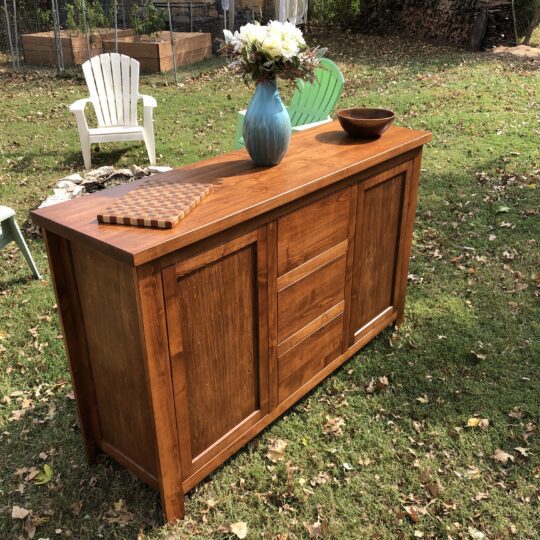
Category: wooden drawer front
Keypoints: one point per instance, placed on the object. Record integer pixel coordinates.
(312, 230)
(310, 297)
(299, 364)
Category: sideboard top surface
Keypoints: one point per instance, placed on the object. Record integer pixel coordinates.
(316, 159)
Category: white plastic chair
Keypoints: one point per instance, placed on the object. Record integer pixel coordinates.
(10, 232)
(113, 84)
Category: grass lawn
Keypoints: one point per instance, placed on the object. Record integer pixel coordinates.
(403, 462)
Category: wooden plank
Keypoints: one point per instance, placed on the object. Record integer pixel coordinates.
(310, 328)
(305, 360)
(317, 158)
(311, 230)
(406, 238)
(116, 354)
(75, 341)
(304, 301)
(310, 266)
(272, 317)
(162, 405)
(379, 219)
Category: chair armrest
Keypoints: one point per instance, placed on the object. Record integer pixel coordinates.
(79, 105)
(312, 125)
(148, 101)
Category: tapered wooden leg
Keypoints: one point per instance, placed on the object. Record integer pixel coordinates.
(152, 309)
(65, 285)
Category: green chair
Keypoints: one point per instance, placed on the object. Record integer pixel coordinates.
(312, 103)
(10, 232)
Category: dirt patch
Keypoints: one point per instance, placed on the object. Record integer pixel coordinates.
(521, 51)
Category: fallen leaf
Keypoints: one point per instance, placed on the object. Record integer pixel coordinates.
(18, 512)
(503, 210)
(415, 512)
(239, 529)
(475, 534)
(481, 495)
(44, 476)
(314, 530)
(423, 399)
(334, 426)
(377, 385)
(523, 451)
(502, 457)
(515, 413)
(276, 450)
(478, 422)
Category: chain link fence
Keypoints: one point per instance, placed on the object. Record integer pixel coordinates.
(91, 20)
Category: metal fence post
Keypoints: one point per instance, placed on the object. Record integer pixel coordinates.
(8, 25)
(16, 33)
(172, 41)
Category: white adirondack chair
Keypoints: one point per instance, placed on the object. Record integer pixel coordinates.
(113, 84)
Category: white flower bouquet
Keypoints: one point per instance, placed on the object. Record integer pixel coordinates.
(275, 50)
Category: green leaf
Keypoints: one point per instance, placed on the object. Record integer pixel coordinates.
(44, 476)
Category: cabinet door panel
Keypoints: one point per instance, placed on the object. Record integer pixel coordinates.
(380, 216)
(218, 347)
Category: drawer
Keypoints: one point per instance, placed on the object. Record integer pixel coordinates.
(303, 301)
(312, 230)
(301, 363)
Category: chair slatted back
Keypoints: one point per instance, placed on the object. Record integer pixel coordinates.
(113, 83)
(314, 102)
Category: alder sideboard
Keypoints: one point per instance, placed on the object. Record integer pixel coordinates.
(185, 343)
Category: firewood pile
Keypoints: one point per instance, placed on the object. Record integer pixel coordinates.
(444, 21)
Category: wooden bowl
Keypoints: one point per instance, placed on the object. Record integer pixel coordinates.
(365, 123)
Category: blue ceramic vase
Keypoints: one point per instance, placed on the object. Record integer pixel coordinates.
(267, 125)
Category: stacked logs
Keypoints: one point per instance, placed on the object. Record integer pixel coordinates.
(444, 21)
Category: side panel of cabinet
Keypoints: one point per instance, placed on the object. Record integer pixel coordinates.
(218, 338)
(380, 233)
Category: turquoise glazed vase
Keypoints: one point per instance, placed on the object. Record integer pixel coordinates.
(267, 125)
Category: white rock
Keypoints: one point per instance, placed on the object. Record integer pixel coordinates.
(66, 184)
(126, 173)
(77, 191)
(75, 178)
(158, 169)
(101, 172)
(137, 171)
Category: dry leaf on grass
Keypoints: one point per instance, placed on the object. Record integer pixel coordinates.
(239, 529)
(276, 450)
(377, 385)
(334, 426)
(502, 457)
(423, 399)
(18, 512)
(315, 530)
(482, 423)
(524, 452)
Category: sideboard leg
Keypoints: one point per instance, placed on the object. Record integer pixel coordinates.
(65, 286)
(406, 239)
(158, 370)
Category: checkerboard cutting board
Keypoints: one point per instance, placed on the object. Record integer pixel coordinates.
(156, 203)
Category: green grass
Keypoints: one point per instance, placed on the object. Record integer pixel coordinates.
(470, 343)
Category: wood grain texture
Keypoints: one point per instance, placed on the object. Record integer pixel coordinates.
(379, 217)
(74, 333)
(218, 337)
(303, 362)
(153, 324)
(198, 336)
(317, 158)
(114, 342)
(312, 230)
(310, 297)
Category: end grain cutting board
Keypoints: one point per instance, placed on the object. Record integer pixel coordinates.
(156, 203)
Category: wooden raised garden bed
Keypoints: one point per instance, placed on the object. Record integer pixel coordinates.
(154, 52)
(40, 48)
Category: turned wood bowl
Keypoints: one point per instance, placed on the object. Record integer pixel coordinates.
(365, 123)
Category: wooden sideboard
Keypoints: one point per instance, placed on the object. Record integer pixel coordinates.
(185, 343)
